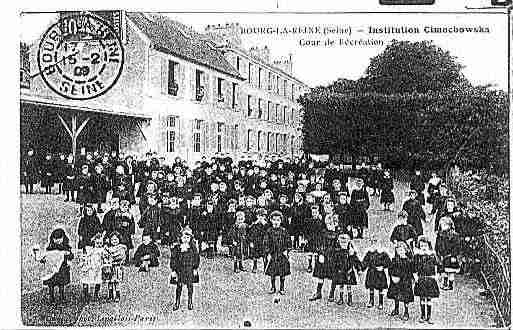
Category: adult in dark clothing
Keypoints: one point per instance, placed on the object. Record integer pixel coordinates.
(387, 194)
(47, 173)
(29, 171)
(88, 226)
(277, 244)
(184, 264)
(100, 187)
(69, 182)
(416, 215)
(418, 184)
(84, 184)
(359, 205)
(60, 171)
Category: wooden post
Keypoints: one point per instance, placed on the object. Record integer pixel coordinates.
(73, 132)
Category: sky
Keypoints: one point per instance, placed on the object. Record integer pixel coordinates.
(483, 55)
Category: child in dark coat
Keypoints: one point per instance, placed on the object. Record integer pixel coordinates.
(401, 280)
(150, 218)
(387, 194)
(210, 227)
(256, 235)
(172, 220)
(147, 254)
(313, 234)
(298, 213)
(416, 215)
(403, 232)
(88, 226)
(346, 265)
(376, 260)
(323, 264)
(239, 239)
(124, 226)
(425, 266)
(184, 266)
(277, 245)
(447, 248)
(57, 270)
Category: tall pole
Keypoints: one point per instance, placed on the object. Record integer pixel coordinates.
(74, 136)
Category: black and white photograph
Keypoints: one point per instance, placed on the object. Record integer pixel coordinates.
(282, 168)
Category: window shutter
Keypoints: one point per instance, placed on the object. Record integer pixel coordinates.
(213, 134)
(226, 145)
(180, 79)
(204, 137)
(164, 73)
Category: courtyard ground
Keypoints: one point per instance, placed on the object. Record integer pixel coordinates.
(224, 299)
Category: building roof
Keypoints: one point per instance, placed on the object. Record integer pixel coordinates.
(179, 40)
(264, 63)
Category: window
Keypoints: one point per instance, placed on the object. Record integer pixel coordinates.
(276, 142)
(200, 89)
(268, 141)
(172, 86)
(269, 106)
(269, 81)
(259, 140)
(171, 133)
(248, 145)
(277, 85)
(196, 136)
(220, 97)
(260, 109)
(284, 117)
(238, 63)
(292, 116)
(249, 106)
(292, 92)
(276, 112)
(236, 129)
(234, 95)
(259, 77)
(220, 127)
(249, 73)
(284, 87)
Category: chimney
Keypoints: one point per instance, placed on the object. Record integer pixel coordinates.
(284, 63)
(225, 35)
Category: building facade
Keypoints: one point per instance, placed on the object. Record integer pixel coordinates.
(181, 93)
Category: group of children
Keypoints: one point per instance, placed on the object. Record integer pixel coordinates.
(245, 207)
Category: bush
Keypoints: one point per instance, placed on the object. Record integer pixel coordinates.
(486, 197)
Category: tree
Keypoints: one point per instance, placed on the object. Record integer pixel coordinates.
(407, 67)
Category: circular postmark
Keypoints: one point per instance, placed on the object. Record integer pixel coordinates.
(80, 57)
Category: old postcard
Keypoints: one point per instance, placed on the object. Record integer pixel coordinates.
(290, 167)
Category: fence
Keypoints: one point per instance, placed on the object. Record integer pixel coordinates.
(495, 271)
(497, 279)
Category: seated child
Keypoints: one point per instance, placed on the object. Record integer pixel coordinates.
(147, 254)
